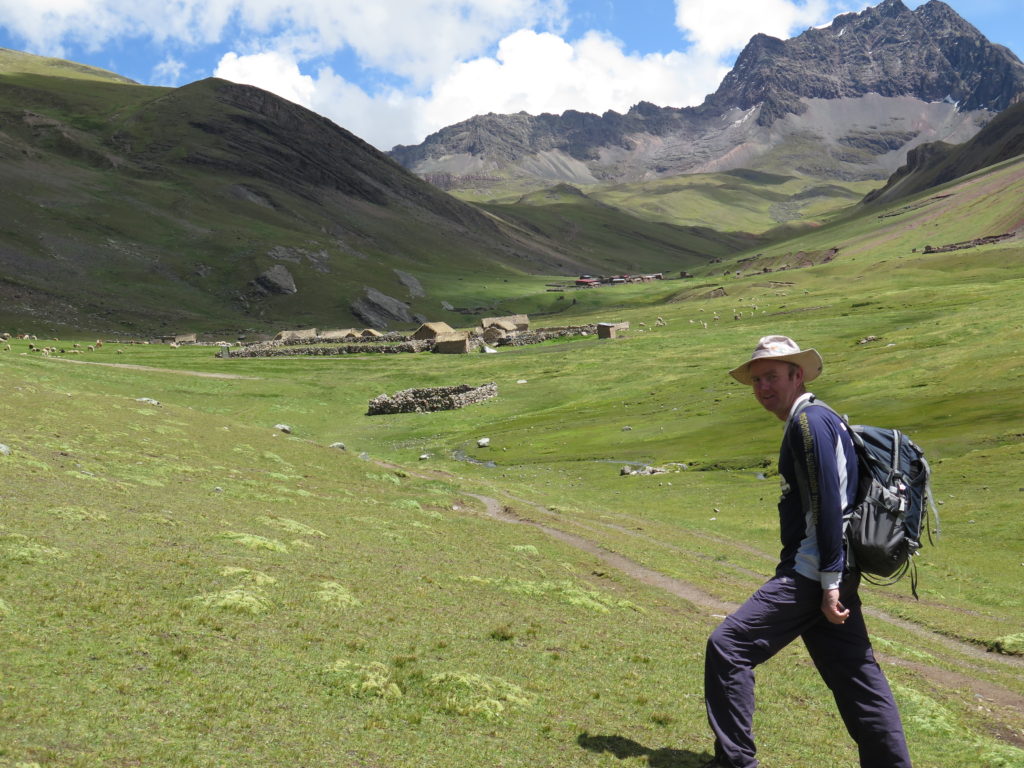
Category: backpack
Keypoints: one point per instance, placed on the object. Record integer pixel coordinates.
(882, 529)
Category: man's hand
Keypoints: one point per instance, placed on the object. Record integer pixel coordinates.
(832, 608)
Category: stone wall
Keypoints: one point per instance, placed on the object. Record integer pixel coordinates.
(353, 340)
(268, 349)
(545, 334)
(424, 400)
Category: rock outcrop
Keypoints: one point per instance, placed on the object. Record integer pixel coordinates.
(276, 280)
(378, 310)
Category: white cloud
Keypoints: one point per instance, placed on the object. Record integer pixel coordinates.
(540, 72)
(168, 71)
(415, 39)
(720, 27)
(271, 71)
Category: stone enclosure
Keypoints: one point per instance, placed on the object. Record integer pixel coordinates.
(427, 399)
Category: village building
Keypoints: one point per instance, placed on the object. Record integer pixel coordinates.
(339, 334)
(610, 330)
(180, 338)
(371, 333)
(495, 333)
(432, 331)
(521, 322)
(308, 334)
(454, 343)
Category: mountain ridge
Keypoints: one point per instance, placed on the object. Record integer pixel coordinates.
(929, 54)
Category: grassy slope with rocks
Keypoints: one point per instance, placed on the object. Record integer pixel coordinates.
(181, 583)
(152, 210)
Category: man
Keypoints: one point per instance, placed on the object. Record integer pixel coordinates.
(812, 595)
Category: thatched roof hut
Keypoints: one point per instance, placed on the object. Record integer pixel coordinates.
(521, 322)
(308, 334)
(432, 330)
(339, 334)
(493, 334)
(454, 343)
(371, 333)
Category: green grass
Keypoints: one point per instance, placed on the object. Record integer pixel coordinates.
(185, 584)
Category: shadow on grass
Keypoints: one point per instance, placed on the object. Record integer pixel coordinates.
(623, 748)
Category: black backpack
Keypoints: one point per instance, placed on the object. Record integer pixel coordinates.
(883, 527)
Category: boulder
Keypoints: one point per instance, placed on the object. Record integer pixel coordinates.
(276, 280)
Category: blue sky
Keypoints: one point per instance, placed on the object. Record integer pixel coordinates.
(393, 71)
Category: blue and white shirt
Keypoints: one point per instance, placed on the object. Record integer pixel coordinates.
(811, 519)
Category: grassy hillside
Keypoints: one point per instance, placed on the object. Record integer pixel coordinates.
(611, 240)
(744, 201)
(740, 201)
(28, 64)
(181, 582)
(150, 210)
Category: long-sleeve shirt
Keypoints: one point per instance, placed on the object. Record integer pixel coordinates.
(811, 518)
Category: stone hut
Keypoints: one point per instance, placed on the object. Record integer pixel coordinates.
(610, 330)
(454, 343)
(371, 333)
(521, 322)
(186, 338)
(339, 334)
(297, 335)
(432, 331)
(493, 334)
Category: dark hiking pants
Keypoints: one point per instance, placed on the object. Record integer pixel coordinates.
(783, 609)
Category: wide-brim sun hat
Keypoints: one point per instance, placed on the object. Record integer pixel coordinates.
(783, 349)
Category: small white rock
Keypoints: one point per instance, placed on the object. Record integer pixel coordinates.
(4, 450)
(339, 446)
(149, 400)
(283, 428)
(483, 442)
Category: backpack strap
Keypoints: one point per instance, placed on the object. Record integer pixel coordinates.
(803, 481)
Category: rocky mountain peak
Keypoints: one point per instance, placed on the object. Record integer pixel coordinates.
(929, 55)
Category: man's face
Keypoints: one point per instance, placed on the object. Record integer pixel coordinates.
(776, 385)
